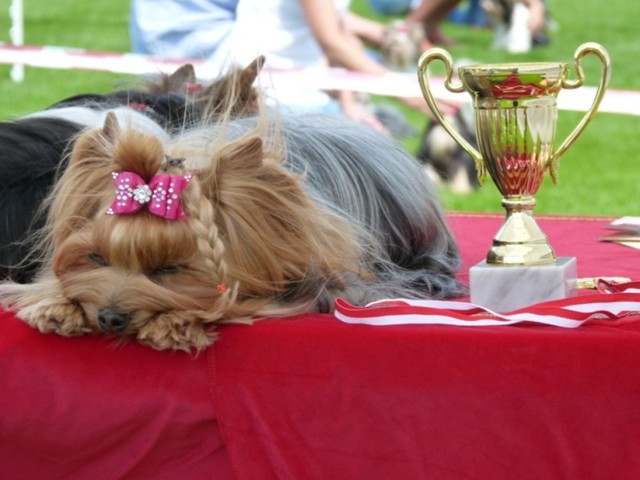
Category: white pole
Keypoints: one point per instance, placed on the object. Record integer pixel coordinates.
(16, 33)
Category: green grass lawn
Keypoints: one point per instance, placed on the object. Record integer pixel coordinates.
(599, 175)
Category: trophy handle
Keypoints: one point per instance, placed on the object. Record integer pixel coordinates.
(423, 64)
(589, 48)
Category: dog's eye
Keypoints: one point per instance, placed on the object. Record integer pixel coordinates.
(167, 270)
(98, 260)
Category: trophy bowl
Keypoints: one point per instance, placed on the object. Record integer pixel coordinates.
(516, 113)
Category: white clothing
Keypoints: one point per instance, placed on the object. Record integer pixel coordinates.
(180, 28)
(277, 29)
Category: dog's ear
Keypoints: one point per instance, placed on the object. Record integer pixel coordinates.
(183, 79)
(253, 152)
(247, 100)
(247, 154)
(123, 149)
(178, 81)
(232, 94)
(97, 143)
(185, 74)
(248, 75)
(111, 127)
(240, 159)
(79, 194)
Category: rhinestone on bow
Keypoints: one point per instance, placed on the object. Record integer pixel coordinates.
(142, 194)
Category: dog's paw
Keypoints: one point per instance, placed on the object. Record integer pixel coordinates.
(176, 331)
(60, 317)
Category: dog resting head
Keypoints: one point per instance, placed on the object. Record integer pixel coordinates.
(249, 242)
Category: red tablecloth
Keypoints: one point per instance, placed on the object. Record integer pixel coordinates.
(569, 236)
(313, 398)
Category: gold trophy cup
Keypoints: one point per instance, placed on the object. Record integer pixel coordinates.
(516, 115)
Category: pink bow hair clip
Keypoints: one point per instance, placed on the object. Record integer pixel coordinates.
(161, 196)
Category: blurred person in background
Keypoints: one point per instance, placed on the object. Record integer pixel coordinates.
(428, 13)
(305, 34)
(292, 34)
(189, 29)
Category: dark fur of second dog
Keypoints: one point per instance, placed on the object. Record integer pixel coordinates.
(444, 159)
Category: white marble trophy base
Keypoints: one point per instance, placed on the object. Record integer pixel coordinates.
(506, 288)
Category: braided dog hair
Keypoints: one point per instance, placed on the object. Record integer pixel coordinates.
(281, 216)
(351, 185)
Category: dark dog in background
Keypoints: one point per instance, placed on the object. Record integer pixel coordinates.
(35, 148)
(444, 159)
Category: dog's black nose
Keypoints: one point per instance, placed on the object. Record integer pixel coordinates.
(113, 321)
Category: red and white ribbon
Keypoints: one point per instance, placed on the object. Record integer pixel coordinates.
(567, 313)
(605, 286)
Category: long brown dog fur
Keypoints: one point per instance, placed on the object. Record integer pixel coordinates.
(256, 242)
(176, 277)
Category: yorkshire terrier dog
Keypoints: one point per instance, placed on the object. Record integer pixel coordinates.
(241, 219)
(35, 148)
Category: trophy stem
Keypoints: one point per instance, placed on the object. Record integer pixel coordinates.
(520, 241)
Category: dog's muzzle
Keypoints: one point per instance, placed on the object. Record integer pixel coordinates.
(113, 321)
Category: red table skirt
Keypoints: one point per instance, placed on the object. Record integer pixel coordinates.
(313, 398)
